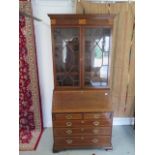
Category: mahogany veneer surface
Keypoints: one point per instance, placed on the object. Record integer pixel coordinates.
(82, 119)
(81, 106)
(81, 101)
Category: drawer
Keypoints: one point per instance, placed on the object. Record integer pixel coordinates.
(82, 123)
(84, 141)
(105, 116)
(82, 131)
(67, 116)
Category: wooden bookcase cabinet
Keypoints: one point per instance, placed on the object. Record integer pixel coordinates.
(81, 107)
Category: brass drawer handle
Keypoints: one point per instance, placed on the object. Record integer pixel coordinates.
(96, 116)
(95, 131)
(69, 141)
(96, 123)
(68, 123)
(95, 140)
(68, 131)
(82, 129)
(69, 116)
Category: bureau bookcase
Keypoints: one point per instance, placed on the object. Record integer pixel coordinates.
(81, 106)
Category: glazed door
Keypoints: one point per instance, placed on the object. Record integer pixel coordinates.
(96, 57)
(66, 57)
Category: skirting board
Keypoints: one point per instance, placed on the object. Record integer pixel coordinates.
(123, 120)
(116, 121)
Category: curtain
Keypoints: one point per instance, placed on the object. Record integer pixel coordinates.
(123, 52)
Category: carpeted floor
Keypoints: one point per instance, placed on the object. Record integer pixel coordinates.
(122, 140)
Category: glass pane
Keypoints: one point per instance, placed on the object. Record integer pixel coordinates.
(97, 49)
(67, 56)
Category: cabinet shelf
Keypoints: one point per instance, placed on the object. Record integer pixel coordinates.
(81, 54)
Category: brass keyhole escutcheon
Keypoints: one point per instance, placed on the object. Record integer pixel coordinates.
(82, 121)
(95, 131)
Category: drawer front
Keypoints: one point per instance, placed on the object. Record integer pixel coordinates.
(84, 140)
(82, 123)
(82, 131)
(68, 124)
(68, 116)
(105, 116)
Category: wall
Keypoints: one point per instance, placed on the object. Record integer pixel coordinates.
(41, 9)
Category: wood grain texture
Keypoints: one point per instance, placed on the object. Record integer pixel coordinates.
(72, 20)
(84, 141)
(82, 117)
(62, 132)
(68, 116)
(122, 72)
(82, 123)
(84, 101)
